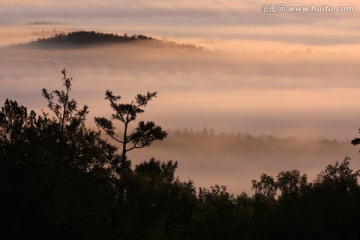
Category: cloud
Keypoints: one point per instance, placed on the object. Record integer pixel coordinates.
(226, 20)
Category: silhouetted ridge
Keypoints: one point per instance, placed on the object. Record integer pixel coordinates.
(88, 37)
(91, 38)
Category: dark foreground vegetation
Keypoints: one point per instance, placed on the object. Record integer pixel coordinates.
(62, 180)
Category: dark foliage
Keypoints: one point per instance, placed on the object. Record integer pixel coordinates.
(61, 180)
(324, 209)
(54, 179)
(141, 136)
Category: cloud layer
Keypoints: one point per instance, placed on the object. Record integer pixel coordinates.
(308, 94)
(211, 20)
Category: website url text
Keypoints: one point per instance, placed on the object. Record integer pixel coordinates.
(282, 8)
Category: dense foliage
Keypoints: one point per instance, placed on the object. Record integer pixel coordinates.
(60, 180)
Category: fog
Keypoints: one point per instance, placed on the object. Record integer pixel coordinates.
(233, 160)
(307, 95)
(303, 94)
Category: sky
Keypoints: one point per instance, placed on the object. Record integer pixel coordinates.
(284, 73)
(207, 20)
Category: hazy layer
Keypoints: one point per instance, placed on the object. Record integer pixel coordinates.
(234, 160)
(305, 94)
(208, 22)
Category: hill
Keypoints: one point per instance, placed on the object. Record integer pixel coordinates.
(92, 38)
(87, 38)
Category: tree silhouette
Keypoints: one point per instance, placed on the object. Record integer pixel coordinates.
(267, 186)
(142, 136)
(54, 178)
(356, 141)
(74, 142)
(66, 107)
(153, 203)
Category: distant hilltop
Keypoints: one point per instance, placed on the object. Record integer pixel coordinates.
(92, 38)
(87, 37)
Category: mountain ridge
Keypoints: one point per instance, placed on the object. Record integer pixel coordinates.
(83, 39)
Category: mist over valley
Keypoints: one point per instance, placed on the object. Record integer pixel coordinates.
(179, 119)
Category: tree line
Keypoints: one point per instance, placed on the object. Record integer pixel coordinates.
(62, 180)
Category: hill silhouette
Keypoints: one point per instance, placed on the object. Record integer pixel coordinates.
(86, 38)
(91, 38)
